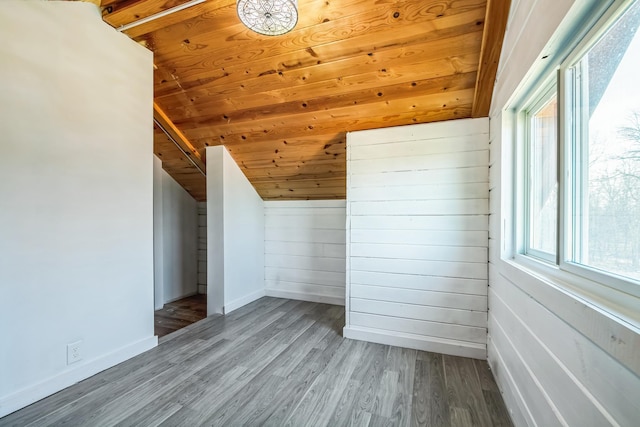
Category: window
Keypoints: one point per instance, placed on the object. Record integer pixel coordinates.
(581, 158)
(542, 212)
(605, 137)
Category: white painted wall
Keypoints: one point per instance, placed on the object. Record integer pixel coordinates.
(215, 230)
(178, 228)
(202, 247)
(417, 236)
(235, 235)
(305, 250)
(557, 359)
(180, 241)
(158, 227)
(76, 207)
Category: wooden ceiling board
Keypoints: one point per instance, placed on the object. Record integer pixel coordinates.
(332, 78)
(497, 15)
(249, 110)
(187, 50)
(213, 75)
(350, 118)
(282, 105)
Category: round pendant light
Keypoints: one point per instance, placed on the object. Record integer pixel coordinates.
(269, 17)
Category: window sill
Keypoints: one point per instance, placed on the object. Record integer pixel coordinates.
(613, 327)
(614, 303)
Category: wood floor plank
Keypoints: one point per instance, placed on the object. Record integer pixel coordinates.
(122, 382)
(150, 415)
(387, 393)
(276, 362)
(216, 385)
(368, 376)
(495, 404)
(252, 356)
(253, 399)
(484, 374)
(420, 403)
(178, 314)
(302, 377)
(429, 404)
(235, 320)
(439, 413)
(117, 405)
(299, 349)
(405, 365)
(460, 417)
(339, 382)
(464, 391)
(344, 408)
(328, 386)
(135, 369)
(379, 421)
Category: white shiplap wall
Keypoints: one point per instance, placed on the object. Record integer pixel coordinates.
(305, 250)
(417, 236)
(557, 358)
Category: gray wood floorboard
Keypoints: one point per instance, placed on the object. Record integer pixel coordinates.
(276, 362)
(465, 392)
(368, 377)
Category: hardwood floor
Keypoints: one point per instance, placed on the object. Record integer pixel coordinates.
(178, 314)
(277, 362)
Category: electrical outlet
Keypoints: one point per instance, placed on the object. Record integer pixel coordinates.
(73, 352)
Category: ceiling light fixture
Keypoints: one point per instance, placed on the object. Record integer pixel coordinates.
(269, 17)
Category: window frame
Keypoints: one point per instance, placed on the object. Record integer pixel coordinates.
(573, 148)
(598, 284)
(547, 91)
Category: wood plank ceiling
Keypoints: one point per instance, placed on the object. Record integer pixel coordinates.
(282, 105)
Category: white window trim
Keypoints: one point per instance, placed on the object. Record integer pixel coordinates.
(541, 96)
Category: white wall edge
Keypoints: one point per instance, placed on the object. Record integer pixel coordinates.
(32, 394)
(303, 296)
(241, 302)
(417, 342)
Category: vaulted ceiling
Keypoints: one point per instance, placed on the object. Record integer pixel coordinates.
(282, 105)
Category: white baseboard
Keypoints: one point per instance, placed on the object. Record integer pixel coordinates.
(240, 302)
(54, 384)
(324, 299)
(418, 342)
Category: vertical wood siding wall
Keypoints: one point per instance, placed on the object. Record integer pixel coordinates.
(305, 250)
(417, 236)
(557, 359)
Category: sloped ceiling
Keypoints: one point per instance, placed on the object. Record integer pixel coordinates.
(282, 105)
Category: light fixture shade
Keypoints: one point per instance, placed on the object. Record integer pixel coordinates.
(269, 17)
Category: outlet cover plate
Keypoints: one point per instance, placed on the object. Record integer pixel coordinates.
(74, 353)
